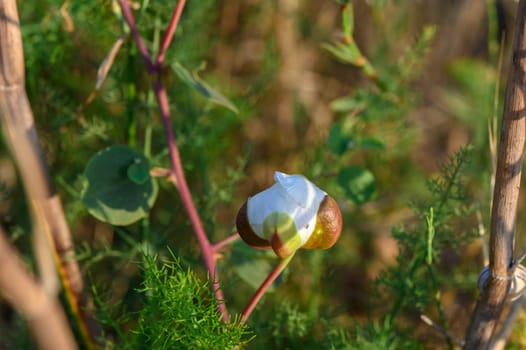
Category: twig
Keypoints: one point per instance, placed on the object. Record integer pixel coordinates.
(504, 209)
(276, 271)
(441, 330)
(483, 241)
(176, 166)
(128, 16)
(42, 311)
(519, 260)
(170, 31)
(220, 246)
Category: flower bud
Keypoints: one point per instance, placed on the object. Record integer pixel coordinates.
(291, 214)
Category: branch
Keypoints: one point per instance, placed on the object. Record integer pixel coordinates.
(52, 238)
(46, 318)
(167, 39)
(128, 16)
(507, 183)
(176, 166)
(222, 244)
(442, 331)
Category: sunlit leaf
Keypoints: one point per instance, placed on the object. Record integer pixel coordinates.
(350, 53)
(347, 53)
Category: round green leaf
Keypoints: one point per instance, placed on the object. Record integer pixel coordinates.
(117, 186)
(358, 183)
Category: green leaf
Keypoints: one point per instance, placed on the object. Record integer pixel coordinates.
(253, 265)
(345, 104)
(193, 80)
(372, 143)
(350, 53)
(347, 53)
(118, 188)
(338, 142)
(358, 183)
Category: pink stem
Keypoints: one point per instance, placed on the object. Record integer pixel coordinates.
(168, 36)
(186, 197)
(219, 246)
(128, 16)
(175, 159)
(276, 271)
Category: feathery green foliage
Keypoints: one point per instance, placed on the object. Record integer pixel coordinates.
(415, 282)
(178, 312)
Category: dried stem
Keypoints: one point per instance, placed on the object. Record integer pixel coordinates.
(504, 210)
(176, 166)
(43, 312)
(441, 330)
(52, 238)
(499, 340)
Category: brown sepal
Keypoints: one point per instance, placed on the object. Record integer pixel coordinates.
(245, 231)
(328, 225)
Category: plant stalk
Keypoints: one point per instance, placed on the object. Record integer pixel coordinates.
(128, 16)
(170, 31)
(505, 196)
(176, 167)
(44, 314)
(276, 271)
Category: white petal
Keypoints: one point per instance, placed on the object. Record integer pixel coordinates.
(291, 194)
(301, 190)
